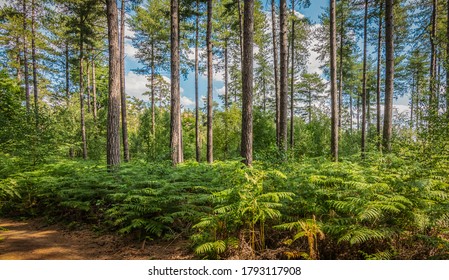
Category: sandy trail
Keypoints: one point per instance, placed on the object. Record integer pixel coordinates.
(33, 240)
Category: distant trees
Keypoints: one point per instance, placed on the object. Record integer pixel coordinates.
(65, 62)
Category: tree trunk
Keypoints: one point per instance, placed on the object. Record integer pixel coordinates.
(247, 83)
(210, 157)
(153, 105)
(122, 84)
(33, 58)
(18, 60)
(113, 125)
(67, 73)
(275, 70)
(94, 90)
(88, 83)
(358, 111)
(175, 108)
(239, 9)
(433, 109)
(365, 31)
(389, 79)
(283, 78)
(25, 59)
(81, 85)
(226, 146)
(310, 105)
(351, 113)
(197, 115)
(340, 72)
(292, 80)
(412, 101)
(333, 76)
(379, 58)
(447, 65)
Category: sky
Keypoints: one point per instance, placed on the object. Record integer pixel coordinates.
(136, 84)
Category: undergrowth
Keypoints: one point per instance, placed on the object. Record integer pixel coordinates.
(386, 207)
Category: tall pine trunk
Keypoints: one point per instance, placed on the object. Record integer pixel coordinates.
(67, 73)
(197, 114)
(153, 105)
(365, 31)
(122, 84)
(333, 76)
(175, 108)
(340, 70)
(113, 124)
(283, 77)
(33, 58)
(275, 66)
(292, 80)
(81, 86)
(433, 102)
(94, 90)
(210, 156)
(247, 83)
(447, 65)
(88, 83)
(389, 78)
(379, 58)
(25, 58)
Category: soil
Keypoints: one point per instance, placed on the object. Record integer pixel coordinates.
(35, 240)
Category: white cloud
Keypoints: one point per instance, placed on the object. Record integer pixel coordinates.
(313, 64)
(130, 51)
(187, 102)
(135, 85)
(221, 91)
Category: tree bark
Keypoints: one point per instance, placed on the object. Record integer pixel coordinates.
(340, 72)
(239, 9)
(94, 90)
(247, 84)
(275, 70)
(197, 115)
(389, 79)
(333, 77)
(447, 65)
(88, 83)
(379, 58)
(122, 84)
(67, 73)
(365, 27)
(210, 157)
(226, 146)
(33, 58)
(25, 59)
(153, 105)
(113, 125)
(81, 86)
(175, 108)
(292, 80)
(432, 82)
(283, 77)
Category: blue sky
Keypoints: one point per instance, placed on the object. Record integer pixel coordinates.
(135, 84)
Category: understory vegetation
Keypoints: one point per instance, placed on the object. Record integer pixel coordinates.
(385, 207)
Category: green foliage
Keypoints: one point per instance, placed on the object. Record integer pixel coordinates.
(242, 209)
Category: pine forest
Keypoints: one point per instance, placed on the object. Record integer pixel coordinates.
(230, 129)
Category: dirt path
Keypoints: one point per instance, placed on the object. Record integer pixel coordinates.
(33, 240)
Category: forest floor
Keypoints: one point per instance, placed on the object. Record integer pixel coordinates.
(35, 240)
